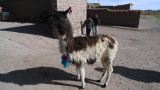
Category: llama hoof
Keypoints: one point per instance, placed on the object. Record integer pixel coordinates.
(104, 86)
(82, 87)
(76, 79)
(98, 81)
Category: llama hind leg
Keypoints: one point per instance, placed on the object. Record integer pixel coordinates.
(109, 72)
(103, 74)
(104, 63)
(82, 73)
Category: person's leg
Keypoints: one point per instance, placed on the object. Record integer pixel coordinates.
(88, 31)
(96, 30)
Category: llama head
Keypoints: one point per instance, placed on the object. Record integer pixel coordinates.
(60, 21)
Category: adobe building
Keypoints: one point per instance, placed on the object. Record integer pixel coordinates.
(79, 12)
(93, 5)
(118, 7)
(37, 10)
(120, 15)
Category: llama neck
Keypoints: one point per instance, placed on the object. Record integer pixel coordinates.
(69, 32)
(69, 40)
(66, 41)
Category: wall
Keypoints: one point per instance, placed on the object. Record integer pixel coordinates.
(78, 12)
(126, 18)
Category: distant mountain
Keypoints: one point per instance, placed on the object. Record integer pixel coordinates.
(151, 12)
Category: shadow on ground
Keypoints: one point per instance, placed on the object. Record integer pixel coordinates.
(44, 75)
(147, 76)
(37, 29)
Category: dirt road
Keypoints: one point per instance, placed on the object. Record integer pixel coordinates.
(30, 60)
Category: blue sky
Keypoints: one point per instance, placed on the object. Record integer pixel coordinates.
(138, 4)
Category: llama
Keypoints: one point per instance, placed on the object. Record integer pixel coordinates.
(84, 50)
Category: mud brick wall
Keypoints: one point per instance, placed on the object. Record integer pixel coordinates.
(125, 18)
(78, 14)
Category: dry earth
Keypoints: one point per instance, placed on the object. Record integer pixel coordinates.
(30, 60)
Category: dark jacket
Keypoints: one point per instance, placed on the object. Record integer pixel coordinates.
(89, 24)
(96, 20)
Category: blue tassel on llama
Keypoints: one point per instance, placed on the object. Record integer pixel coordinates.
(65, 61)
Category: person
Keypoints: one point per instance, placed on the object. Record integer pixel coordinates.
(96, 21)
(89, 25)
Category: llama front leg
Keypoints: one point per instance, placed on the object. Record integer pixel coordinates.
(82, 73)
(78, 72)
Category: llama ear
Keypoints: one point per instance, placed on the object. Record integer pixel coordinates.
(69, 10)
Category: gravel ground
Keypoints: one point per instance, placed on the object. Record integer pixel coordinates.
(30, 60)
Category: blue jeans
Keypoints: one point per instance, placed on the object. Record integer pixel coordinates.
(88, 32)
(95, 30)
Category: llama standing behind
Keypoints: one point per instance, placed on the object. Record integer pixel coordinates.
(82, 50)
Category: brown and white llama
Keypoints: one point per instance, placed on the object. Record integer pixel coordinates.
(84, 50)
